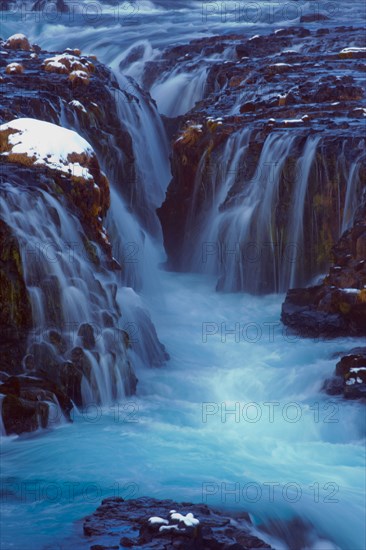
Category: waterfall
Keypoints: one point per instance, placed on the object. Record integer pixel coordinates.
(151, 152)
(239, 241)
(260, 225)
(296, 225)
(352, 196)
(177, 92)
(248, 231)
(69, 295)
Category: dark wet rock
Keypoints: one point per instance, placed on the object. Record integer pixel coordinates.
(314, 18)
(86, 334)
(284, 83)
(14, 301)
(58, 341)
(125, 523)
(61, 6)
(336, 307)
(15, 309)
(70, 377)
(26, 403)
(349, 378)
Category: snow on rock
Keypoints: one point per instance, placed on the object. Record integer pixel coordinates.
(77, 105)
(293, 122)
(357, 369)
(156, 520)
(67, 63)
(73, 51)
(353, 53)
(46, 144)
(69, 161)
(178, 522)
(189, 520)
(18, 42)
(79, 77)
(14, 68)
(190, 134)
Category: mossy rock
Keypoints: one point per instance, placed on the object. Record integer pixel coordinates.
(15, 309)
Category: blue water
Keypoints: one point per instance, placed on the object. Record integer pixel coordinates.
(177, 438)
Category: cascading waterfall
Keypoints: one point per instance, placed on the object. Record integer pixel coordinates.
(296, 224)
(178, 91)
(229, 245)
(351, 201)
(250, 232)
(163, 449)
(151, 151)
(66, 292)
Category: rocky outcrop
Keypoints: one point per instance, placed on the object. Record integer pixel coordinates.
(46, 92)
(283, 85)
(72, 166)
(337, 306)
(48, 363)
(15, 308)
(77, 91)
(55, 192)
(31, 403)
(349, 378)
(150, 523)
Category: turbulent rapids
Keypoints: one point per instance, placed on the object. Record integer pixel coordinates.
(182, 275)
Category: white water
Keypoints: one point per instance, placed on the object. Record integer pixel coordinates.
(158, 444)
(57, 271)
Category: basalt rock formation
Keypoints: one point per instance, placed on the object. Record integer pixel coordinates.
(63, 337)
(337, 306)
(119, 523)
(74, 91)
(271, 159)
(349, 378)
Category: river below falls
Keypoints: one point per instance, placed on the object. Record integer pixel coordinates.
(286, 451)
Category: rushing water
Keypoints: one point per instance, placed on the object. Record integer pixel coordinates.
(288, 451)
(174, 439)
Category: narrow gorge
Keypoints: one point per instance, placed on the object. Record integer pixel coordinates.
(182, 275)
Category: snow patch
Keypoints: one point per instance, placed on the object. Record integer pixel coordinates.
(49, 145)
(353, 50)
(77, 105)
(155, 520)
(189, 520)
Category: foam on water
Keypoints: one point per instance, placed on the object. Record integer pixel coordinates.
(177, 438)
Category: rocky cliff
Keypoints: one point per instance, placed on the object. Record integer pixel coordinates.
(269, 166)
(63, 332)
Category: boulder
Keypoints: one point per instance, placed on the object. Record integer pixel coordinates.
(149, 523)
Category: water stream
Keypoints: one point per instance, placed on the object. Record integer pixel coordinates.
(237, 417)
